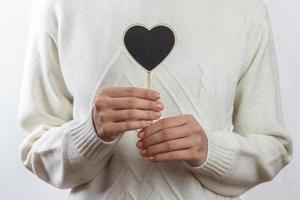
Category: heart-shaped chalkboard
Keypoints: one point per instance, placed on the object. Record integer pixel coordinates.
(149, 47)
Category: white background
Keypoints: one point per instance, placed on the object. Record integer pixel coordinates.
(17, 183)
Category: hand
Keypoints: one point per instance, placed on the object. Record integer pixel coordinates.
(120, 109)
(174, 138)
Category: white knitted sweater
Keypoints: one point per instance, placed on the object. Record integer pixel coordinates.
(222, 69)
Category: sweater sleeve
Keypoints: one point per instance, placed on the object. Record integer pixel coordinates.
(259, 145)
(60, 150)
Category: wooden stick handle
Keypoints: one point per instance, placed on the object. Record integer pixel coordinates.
(149, 79)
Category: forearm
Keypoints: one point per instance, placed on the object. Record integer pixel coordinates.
(66, 156)
(236, 163)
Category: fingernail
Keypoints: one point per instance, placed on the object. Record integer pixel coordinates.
(139, 144)
(156, 114)
(150, 158)
(159, 106)
(143, 151)
(141, 134)
(156, 95)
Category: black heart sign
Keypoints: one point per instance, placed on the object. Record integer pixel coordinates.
(149, 47)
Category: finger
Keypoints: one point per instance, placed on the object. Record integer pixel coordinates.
(131, 92)
(184, 154)
(118, 127)
(171, 145)
(131, 115)
(164, 124)
(165, 135)
(134, 103)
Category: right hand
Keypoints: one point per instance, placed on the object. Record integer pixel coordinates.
(120, 109)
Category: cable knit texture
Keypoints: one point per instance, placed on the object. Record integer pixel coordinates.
(222, 70)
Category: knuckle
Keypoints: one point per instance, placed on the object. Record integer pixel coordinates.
(96, 106)
(104, 129)
(165, 134)
(131, 102)
(169, 145)
(127, 125)
(163, 124)
(196, 128)
(150, 114)
(142, 123)
(100, 102)
(193, 154)
(130, 91)
(152, 105)
(102, 116)
(150, 151)
(197, 142)
(129, 114)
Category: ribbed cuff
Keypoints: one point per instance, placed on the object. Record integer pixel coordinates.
(87, 142)
(218, 160)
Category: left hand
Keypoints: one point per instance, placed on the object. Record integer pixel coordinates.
(174, 138)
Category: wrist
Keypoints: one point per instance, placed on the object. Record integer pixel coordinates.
(198, 162)
(202, 152)
(106, 139)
